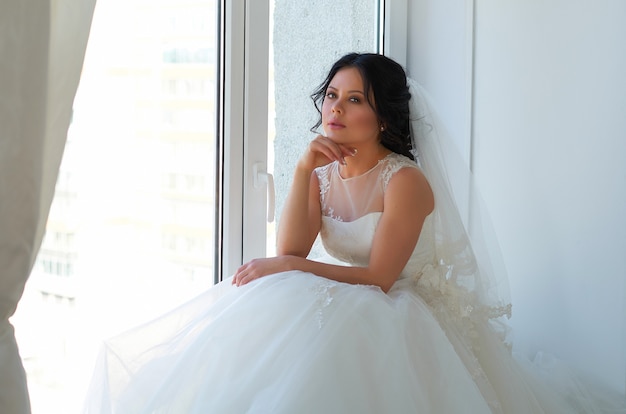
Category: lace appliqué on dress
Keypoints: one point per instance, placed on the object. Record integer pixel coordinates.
(454, 303)
(394, 163)
(460, 311)
(322, 290)
(324, 181)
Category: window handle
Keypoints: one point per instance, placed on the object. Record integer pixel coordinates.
(260, 177)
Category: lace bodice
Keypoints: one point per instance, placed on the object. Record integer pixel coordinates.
(351, 209)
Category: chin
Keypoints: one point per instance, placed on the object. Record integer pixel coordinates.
(336, 138)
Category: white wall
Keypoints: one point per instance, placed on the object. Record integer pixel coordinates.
(549, 150)
(439, 56)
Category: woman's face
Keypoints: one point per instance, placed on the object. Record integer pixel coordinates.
(347, 117)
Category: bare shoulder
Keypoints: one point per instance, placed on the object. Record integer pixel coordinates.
(409, 187)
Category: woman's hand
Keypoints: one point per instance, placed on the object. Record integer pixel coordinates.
(257, 268)
(321, 151)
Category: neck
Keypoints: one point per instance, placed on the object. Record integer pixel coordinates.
(364, 160)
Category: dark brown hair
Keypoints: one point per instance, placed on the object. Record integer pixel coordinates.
(384, 80)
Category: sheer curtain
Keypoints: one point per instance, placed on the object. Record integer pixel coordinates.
(42, 44)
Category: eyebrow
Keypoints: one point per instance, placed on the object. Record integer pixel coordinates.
(352, 91)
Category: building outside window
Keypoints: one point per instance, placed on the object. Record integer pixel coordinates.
(131, 232)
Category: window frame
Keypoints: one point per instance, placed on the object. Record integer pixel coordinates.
(394, 20)
(245, 25)
(243, 119)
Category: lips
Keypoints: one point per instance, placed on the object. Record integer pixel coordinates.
(335, 125)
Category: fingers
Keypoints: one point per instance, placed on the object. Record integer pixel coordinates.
(326, 147)
(330, 150)
(241, 277)
(258, 268)
(348, 152)
(244, 275)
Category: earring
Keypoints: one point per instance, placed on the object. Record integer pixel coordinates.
(382, 128)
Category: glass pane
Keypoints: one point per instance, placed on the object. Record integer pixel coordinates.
(306, 39)
(131, 229)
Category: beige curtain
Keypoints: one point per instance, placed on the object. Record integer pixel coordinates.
(42, 46)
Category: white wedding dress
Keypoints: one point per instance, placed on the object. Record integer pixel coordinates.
(298, 343)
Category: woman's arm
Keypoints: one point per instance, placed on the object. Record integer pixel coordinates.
(300, 219)
(408, 201)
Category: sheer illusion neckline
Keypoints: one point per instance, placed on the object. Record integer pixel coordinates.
(375, 214)
(366, 172)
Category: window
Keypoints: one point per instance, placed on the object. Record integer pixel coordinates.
(151, 205)
(131, 232)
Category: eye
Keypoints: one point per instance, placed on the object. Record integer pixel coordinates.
(331, 95)
(354, 99)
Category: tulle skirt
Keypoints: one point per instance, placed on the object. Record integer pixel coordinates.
(298, 343)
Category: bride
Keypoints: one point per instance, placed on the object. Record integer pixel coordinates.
(399, 318)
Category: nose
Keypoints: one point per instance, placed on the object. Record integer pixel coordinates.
(336, 108)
